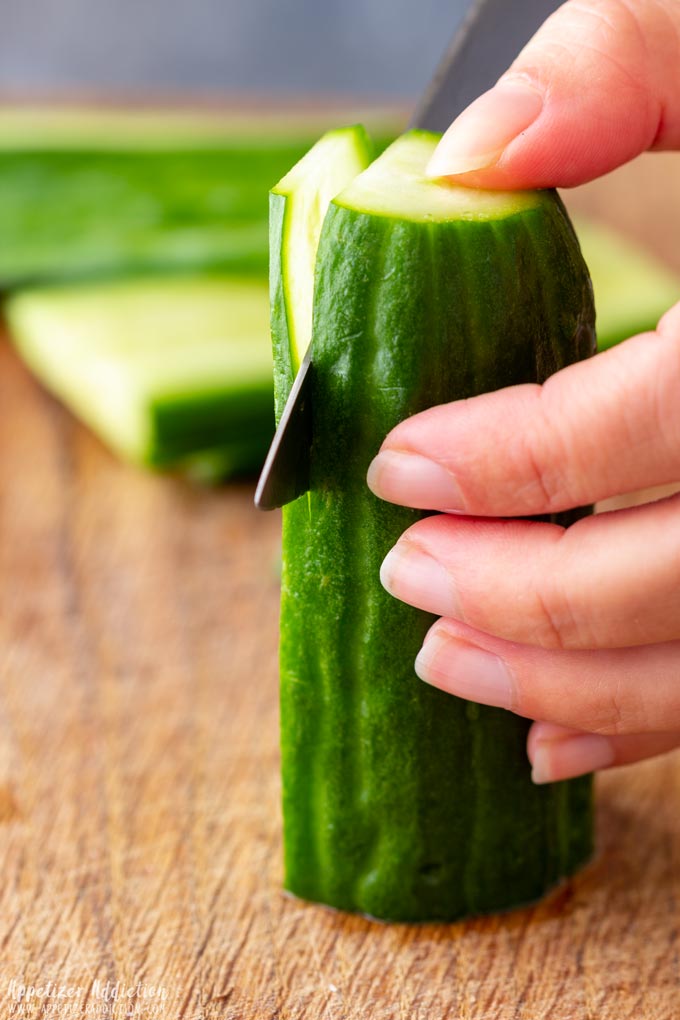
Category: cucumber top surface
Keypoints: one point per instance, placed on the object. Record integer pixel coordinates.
(395, 185)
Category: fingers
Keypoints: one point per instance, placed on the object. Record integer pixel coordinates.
(596, 86)
(607, 581)
(598, 428)
(613, 692)
(557, 752)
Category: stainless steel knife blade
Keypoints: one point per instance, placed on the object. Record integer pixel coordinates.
(485, 44)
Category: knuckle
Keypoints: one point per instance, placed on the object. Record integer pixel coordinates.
(619, 712)
(545, 485)
(613, 35)
(546, 457)
(608, 21)
(607, 27)
(552, 625)
(558, 623)
(616, 713)
(558, 613)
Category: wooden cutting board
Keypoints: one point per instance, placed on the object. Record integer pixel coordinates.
(139, 786)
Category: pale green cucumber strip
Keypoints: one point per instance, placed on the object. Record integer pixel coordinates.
(308, 189)
(632, 288)
(150, 365)
(396, 185)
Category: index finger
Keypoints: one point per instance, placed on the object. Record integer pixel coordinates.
(596, 86)
(596, 429)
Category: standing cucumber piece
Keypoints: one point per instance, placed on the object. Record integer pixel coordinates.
(401, 801)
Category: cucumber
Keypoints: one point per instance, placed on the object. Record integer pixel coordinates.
(169, 374)
(400, 801)
(632, 288)
(135, 127)
(71, 214)
(92, 194)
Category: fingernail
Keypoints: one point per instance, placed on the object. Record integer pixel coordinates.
(413, 480)
(466, 670)
(415, 577)
(477, 138)
(571, 756)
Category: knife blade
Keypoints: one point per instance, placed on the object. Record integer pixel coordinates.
(285, 474)
(485, 44)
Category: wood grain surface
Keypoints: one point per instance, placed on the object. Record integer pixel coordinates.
(139, 789)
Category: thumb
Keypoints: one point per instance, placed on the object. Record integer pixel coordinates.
(596, 86)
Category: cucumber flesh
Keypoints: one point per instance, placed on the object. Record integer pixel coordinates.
(308, 189)
(162, 371)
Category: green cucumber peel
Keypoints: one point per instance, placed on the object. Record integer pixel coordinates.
(400, 801)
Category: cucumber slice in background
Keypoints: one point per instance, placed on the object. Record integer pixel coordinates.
(76, 213)
(297, 206)
(400, 801)
(60, 126)
(168, 373)
(115, 193)
(632, 288)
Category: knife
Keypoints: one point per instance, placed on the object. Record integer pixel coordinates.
(487, 41)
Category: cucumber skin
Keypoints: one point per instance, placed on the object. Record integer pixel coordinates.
(237, 421)
(400, 801)
(284, 373)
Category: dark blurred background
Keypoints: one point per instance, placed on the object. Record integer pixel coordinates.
(382, 47)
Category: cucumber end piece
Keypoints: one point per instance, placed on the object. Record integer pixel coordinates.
(308, 190)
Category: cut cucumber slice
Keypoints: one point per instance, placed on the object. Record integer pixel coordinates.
(297, 207)
(162, 371)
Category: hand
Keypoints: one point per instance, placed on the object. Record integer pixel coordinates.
(579, 628)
